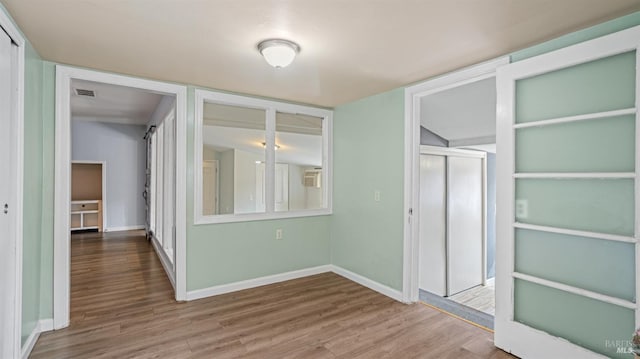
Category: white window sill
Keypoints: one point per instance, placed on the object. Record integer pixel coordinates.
(250, 217)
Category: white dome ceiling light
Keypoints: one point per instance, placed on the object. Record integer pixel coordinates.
(278, 53)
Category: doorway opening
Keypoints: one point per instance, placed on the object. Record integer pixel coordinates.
(88, 195)
(132, 132)
(450, 237)
(105, 122)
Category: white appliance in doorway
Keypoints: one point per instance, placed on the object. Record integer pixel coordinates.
(452, 220)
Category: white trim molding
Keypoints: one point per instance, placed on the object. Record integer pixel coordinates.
(281, 277)
(12, 329)
(43, 325)
(369, 283)
(61, 262)
(256, 282)
(164, 260)
(125, 228)
(413, 95)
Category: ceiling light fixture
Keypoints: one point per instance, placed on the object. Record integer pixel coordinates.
(278, 53)
(264, 144)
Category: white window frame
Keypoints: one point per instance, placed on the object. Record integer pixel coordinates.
(270, 108)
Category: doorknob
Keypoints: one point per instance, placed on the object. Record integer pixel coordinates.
(6, 208)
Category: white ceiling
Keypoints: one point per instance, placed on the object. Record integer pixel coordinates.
(113, 103)
(350, 49)
(464, 115)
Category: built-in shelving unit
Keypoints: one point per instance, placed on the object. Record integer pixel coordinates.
(86, 215)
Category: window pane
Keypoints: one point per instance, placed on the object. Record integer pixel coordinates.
(595, 325)
(596, 205)
(598, 265)
(298, 173)
(597, 86)
(233, 151)
(571, 146)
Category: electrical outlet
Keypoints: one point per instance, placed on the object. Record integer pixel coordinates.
(376, 195)
(278, 233)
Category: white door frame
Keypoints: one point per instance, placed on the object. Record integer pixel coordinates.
(13, 329)
(510, 335)
(61, 260)
(104, 188)
(413, 95)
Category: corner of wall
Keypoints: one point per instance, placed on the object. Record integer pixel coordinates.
(366, 235)
(573, 38)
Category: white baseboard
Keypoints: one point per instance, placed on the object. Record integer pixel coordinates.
(43, 325)
(46, 325)
(164, 260)
(281, 277)
(124, 228)
(256, 282)
(490, 281)
(371, 284)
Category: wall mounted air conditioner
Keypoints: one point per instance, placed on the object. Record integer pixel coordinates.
(313, 178)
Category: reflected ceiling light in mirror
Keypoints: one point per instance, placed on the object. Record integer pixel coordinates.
(278, 53)
(264, 144)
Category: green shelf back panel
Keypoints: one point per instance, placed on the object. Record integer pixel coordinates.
(599, 145)
(595, 205)
(589, 323)
(602, 85)
(597, 265)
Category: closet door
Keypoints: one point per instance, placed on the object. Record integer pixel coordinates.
(8, 201)
(567, 245)
(465, 223)
(433, 224)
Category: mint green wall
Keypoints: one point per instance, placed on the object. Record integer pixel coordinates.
(225, 253)
(368, 155)
(31, 245)
(48, 126)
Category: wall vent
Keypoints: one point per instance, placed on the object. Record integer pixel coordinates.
(313, 178)
(86, 93)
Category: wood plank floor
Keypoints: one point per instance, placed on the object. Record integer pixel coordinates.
(122, 307)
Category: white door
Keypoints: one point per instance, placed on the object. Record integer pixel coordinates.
(568, 211)
(169, 175)
(209, 187)
(159, 184)
(8, 235)
(465, 225)
(281, 194)
(433, 219)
